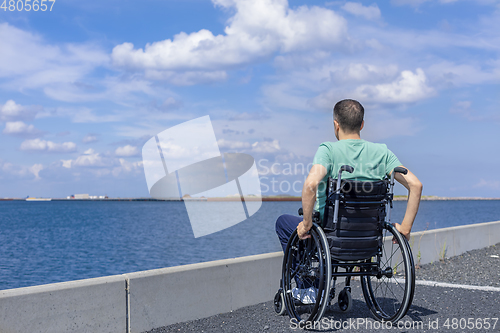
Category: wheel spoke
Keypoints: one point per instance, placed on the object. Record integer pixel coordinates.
(390, 298)
(390, 258)
(378, 285)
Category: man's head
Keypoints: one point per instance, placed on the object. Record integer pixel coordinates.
(348, 115)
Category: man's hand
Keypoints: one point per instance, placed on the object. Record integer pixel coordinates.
(302, 230)
(402, 231)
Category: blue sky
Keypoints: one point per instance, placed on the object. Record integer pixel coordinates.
(84, 86)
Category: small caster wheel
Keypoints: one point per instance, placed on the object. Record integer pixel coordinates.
(345, 300)
(279, 304)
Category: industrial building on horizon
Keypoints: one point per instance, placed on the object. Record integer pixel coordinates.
(86, 196)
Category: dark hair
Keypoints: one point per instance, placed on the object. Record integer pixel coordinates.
(349, 114)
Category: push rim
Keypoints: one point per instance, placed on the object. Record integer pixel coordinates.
(306, 264)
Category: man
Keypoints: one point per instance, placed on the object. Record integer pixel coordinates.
(371, 162)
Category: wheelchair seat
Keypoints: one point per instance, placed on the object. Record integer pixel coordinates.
(357, 233)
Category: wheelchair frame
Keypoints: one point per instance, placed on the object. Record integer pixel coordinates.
(311, 263)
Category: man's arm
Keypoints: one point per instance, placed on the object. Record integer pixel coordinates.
(414, 187)
(317, 173)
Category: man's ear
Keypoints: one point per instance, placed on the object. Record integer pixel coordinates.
(362, 125)
(335, 124)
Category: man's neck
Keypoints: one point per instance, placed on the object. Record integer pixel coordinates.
(347, 136)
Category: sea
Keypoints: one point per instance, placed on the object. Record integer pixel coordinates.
(56, 241)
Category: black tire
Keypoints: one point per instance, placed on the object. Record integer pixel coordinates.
(390, 297)
(306, 264)
(345, 300)
(279, 304)
(412, 273)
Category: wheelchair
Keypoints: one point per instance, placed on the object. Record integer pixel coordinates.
(355, 239)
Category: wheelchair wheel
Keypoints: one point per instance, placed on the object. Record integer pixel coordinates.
(306, 276)
(390, 293)
(279, 306)
(345, 300)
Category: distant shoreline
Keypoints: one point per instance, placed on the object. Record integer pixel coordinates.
(265, 198)
(436, 198)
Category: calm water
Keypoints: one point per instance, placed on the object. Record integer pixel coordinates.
(46, 242)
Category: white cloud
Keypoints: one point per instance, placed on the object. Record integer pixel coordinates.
(257, 29)
(324, 68)
(364, 82)
(233, 144)
(127, 167)
(35, 170)
(172, 151)
(89, 138)
(371, 69)
(100, 165)
(19, 128)
(12, 111)
(66, 163)
(127, 151)
(65, 71)
(21, 171)
(32, 63)
(409, 87)
(371, 12)
(266, 146)
(317, 86)
(89, 159)
(48, 146)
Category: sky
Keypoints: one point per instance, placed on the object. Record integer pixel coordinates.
(85, 84)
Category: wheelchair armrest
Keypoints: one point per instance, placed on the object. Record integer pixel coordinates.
(347, 168)
(401, 170)
(315, 217)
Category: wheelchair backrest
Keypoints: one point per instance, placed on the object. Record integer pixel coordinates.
(362, 210)
(359, 190)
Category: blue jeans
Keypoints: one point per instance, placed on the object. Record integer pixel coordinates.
(285, 226)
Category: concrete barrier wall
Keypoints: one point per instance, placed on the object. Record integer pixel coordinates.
(141, 301)
(93, 305)
(433, 245)
(176, 294)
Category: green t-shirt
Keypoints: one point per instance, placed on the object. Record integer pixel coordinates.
(371, 162)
